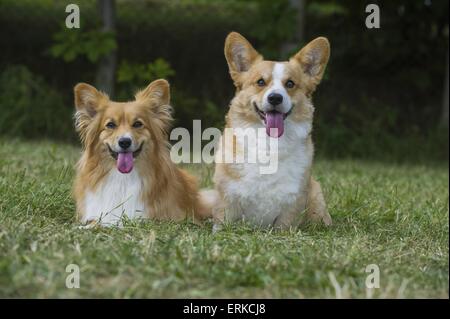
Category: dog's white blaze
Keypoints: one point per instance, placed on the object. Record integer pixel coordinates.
(278, 75)
(118, 195)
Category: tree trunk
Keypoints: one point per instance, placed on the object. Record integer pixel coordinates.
(299, 37)
(106, 72)
(444, 115)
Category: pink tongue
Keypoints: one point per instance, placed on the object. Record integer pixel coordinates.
(125, 162)
(274, 120)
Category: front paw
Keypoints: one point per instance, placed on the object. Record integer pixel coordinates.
(89, 225)
(320, 217)
(326, 218)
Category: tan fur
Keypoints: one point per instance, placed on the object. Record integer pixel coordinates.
(246, 66)
(169, 193)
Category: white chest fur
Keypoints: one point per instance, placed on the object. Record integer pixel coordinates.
(261, 198)
(118, 195)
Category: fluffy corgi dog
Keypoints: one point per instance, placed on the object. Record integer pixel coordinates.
(125, 168)
(275, 97)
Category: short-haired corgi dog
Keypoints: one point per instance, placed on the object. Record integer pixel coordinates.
(125, 168)
(275, 97)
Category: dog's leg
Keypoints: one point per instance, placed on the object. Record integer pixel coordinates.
(218, 218)
(225, 212)
(218, 213)
(317, 207)
(292, 218)
(284, 222)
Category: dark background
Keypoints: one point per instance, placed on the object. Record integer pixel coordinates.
(384, 95)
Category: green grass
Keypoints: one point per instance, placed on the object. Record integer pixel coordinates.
(385, 214)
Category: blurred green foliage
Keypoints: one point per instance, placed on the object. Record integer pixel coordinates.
(134, 76)
(380, 98)
(70, 44)
(29, 107)
(274, 23)
(141, 74)
(327, 9)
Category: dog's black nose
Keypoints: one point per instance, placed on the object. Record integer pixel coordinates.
(125, 142)
(275, 99)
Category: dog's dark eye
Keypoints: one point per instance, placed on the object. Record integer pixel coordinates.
(137, 124)
(111, 125)
(261, 82)
(290, 84)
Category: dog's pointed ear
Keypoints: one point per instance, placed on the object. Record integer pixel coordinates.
(157, 91)
(157, 96)
(87, 98)
(240, 54)
(313, 59)
(87, 103)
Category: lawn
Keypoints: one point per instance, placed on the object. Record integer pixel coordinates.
(394, 216)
